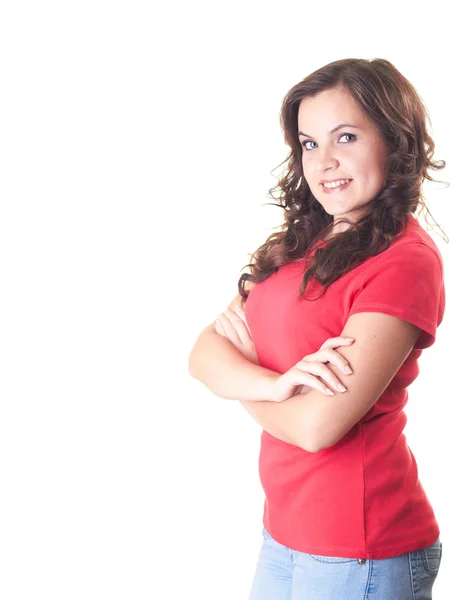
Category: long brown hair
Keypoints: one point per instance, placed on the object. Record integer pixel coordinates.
(391, 102)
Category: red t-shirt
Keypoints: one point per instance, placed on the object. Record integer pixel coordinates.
(361, 497)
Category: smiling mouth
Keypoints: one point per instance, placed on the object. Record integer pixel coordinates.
(336, 188)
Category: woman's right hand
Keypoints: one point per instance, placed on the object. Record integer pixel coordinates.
(307, 371)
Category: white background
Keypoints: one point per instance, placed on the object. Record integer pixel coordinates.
(137, 143)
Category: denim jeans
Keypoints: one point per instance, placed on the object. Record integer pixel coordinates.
(285, 574)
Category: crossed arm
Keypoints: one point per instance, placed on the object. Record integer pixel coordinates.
(312, 420)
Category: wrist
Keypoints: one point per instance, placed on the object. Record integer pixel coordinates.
(270, 379)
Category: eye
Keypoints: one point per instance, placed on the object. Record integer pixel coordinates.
(350, 135)
(354, 137)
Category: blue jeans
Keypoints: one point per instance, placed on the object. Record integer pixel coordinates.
(285, 574)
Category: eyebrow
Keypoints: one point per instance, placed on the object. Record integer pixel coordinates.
(333, 130)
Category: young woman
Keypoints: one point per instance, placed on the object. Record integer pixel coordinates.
(351, 281)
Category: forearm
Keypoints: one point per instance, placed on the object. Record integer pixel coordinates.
(216, 363)
(283, 420)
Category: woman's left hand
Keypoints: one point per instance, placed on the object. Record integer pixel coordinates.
(232, 325)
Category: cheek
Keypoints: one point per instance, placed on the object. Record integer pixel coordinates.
(306, 167)
(377, 167)
(378, 173)
(371, 172)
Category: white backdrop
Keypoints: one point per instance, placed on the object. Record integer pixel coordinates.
(137, 144)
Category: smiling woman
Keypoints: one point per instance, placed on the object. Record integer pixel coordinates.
(345, 514)
(353, 119)
(345, 171)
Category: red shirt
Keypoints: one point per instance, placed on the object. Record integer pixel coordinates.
(361, 497)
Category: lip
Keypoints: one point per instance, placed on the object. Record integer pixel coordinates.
(336, 190)
(332, 180)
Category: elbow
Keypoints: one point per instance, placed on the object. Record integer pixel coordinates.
(313, 448)
(310, 443)
(192, 368)
(315, 441)
(192, 364)
(195, 361)
(327, 439)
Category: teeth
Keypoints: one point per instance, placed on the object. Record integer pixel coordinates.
(335, 184)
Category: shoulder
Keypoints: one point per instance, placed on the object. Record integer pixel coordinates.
(405, 281)
(412, 254)
(413, 235)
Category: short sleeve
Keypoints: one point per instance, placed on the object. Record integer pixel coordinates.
(407, 282)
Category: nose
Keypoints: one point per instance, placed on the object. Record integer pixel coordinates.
(325, 159)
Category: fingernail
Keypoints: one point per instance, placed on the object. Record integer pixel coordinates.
(341, 388)
(330, 392)
(348, 370)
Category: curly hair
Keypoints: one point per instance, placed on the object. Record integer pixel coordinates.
(393, 105)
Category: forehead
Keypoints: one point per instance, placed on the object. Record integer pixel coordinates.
(328, 109)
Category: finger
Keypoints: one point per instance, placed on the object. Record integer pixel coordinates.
(229, 329)
(338, 360)
(219, 327)
(337, 341)
(320, 370)
(330, 355)
(302, 377)
(240, 312)
(240, 326)
(243, 318)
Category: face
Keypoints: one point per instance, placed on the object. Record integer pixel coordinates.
(353, 152)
